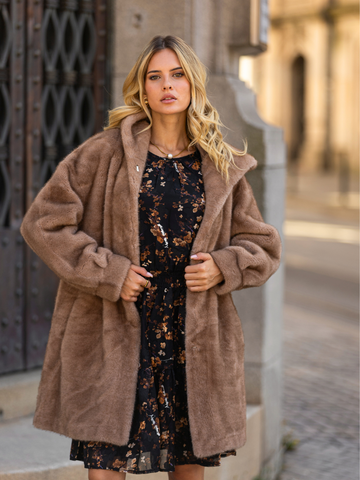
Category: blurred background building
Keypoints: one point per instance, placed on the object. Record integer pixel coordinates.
(307, 82)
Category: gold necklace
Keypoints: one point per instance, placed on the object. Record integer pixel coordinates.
(170, 155)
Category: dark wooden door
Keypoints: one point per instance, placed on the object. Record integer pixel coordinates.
(53, 88)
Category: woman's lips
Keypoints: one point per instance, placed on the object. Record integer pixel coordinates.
(168, 100)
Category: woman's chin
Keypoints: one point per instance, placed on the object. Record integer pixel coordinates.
(169, 109)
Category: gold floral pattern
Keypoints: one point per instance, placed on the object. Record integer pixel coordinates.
(171, 207)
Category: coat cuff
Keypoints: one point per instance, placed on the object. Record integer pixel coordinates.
(110, 285)
(227, 264)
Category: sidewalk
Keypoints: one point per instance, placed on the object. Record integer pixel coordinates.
(321, 334)
(314, 195)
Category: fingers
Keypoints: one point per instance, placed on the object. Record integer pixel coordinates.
(197, 276)
(199, 267)
(131, 293)
(145, 284)
(142, 283)
(129, 299)
(135, 283)
(140, 270)
(197, 285)
(202, 275)
(201, 270)
(201, 285)
(201, 256)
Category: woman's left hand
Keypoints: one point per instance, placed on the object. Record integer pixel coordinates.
(202, 275)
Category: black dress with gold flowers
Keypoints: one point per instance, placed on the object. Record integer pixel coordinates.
(171, 207)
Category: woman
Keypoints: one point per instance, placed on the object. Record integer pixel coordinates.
(150, 225)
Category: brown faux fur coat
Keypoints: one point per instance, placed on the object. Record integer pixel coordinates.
(84, 225)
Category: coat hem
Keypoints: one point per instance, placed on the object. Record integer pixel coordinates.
(72, 435)
(221, 445)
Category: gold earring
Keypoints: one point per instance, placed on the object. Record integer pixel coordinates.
(146, 101)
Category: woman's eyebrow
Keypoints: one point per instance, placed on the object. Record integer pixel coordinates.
(157, 71)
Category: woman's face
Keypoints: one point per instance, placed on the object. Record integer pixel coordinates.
(166, 87)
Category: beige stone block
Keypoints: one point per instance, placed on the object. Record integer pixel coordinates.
(247, 462)
(18, 394)
(71, 472)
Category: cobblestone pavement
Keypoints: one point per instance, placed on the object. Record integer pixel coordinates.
(321, 363)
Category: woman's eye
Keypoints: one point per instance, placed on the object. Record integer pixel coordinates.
(178, 74)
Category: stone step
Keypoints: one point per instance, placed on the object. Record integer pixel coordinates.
(28, 453)
(18, 393)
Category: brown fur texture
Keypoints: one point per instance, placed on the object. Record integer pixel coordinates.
(84, 225)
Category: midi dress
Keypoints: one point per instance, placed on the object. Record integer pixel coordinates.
(171, 207)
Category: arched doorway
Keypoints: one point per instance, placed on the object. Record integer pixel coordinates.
(297, 132)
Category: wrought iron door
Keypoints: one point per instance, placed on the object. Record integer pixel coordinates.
(52, 98)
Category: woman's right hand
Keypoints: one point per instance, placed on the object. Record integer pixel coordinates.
(134, 283)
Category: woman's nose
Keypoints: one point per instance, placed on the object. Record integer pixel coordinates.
(167, 84)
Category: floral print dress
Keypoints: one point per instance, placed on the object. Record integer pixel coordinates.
(171, 207)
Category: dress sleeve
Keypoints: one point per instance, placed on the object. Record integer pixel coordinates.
(51, 227)
(255, 247)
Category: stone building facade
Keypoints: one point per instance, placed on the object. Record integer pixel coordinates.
(308, 82)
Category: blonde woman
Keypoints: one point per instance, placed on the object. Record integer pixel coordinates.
(150, 225)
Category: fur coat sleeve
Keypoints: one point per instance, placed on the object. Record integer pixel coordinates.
(52, 225)
(255, 247)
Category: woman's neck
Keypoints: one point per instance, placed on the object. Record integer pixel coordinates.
(169, 132)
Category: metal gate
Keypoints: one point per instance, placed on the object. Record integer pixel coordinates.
(52, 98)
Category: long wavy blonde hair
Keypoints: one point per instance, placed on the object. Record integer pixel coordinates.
(203, 122)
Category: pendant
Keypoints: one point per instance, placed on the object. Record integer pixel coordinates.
(170, 156)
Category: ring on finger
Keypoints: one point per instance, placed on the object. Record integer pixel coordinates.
(146, 284)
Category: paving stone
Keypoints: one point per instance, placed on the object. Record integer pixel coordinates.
(320, 376)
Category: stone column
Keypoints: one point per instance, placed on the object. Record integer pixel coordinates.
(260, 309)
(211, 27)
